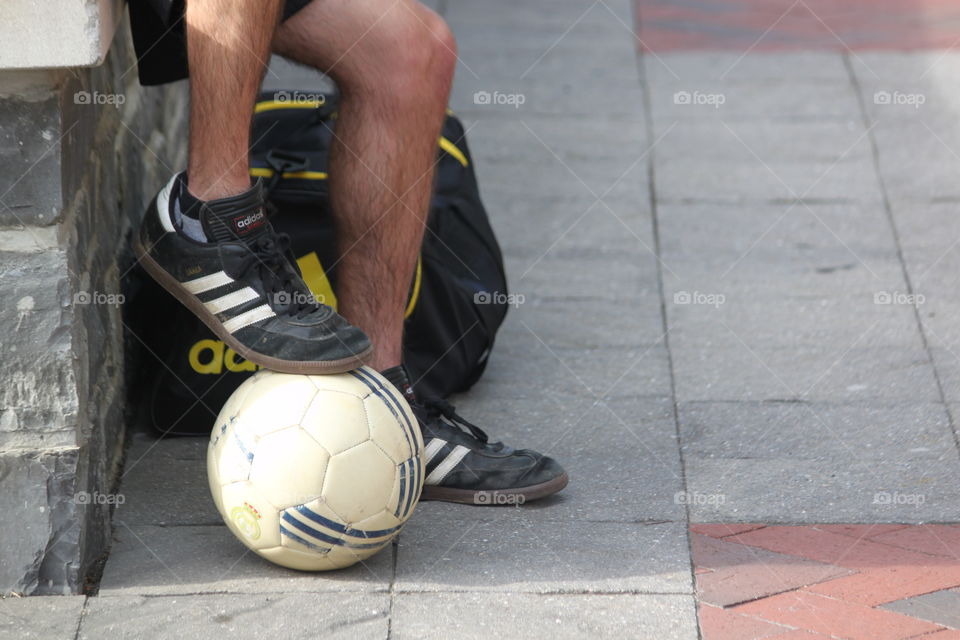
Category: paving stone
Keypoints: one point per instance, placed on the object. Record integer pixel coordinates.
(882, 374)
(595, 442)
(287, 615)
(529, 369)
(482, 616)
(738, 573)
(151, 560)
(860, 531)
(900, 143)
(509, 553)
(775, 181)
(625, 323)
(721, 101)
(887, 584)
(875, 67)
(935, 539)
(785, 490)
(670, 68)
(837, 549)
(40, 617)
(835, 618)
(165, 483)
(939, 607)
(717, 623)
(767, 138)
(818, 433)
(721, 530)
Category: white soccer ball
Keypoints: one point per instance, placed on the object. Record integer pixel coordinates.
(315, 472)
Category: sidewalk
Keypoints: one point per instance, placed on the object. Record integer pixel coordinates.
(740, 274)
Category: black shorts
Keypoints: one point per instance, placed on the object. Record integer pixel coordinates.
(160, 39)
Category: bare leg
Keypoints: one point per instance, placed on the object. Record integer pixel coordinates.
(393, 62)
(228, 45)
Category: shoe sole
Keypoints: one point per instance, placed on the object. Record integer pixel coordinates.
(303, 367)
(499, 497)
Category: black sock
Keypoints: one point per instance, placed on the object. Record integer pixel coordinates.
(189, 204)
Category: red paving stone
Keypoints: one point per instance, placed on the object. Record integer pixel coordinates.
(791, 25)
(880, 586)
(727, 625)
(723, 530)
(740, 573)
(937, 539)
(835, 617)
(882, 563)
(831, 548)
(865, 531)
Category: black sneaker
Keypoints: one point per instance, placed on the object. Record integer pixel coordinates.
(463, 466)
(245, 287)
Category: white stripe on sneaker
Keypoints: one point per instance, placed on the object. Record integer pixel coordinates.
(231, 300)
(248, 317)
(453, 459)
(432, 449)
(206, 283)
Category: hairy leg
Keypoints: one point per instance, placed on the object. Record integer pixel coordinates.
(228, 46)
(393, 62)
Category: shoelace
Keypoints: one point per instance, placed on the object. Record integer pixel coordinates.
(437, 408)
(269, 253)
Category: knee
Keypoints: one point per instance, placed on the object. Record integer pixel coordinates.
(411, 60)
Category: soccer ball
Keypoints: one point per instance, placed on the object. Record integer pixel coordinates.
(315, 472)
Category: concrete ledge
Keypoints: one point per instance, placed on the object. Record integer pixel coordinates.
(35, 34)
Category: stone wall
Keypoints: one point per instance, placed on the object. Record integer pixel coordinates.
(81, 152)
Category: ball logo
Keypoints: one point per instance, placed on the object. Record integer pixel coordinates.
(247, 223)
(245, 518)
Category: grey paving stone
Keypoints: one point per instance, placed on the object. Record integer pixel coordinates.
(152, 560)
(733, 101)
(737, 67)
(482, 616)
(931, 229)
(528, 369)
(40, 617)
(165, 483)
(818, 433)
(593, 272)
(555, 16)
(873, 67)
(939, 607)
(846, 181)
(625, 323)
(620, 453)
(767, 138)
(900, 143)
(817, 374)
(287, 615)
(947, 362)
(562, 221)
(509, 553)
(790, 320)
(787, 490)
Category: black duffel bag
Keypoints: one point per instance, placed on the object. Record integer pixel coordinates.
(457, 293)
